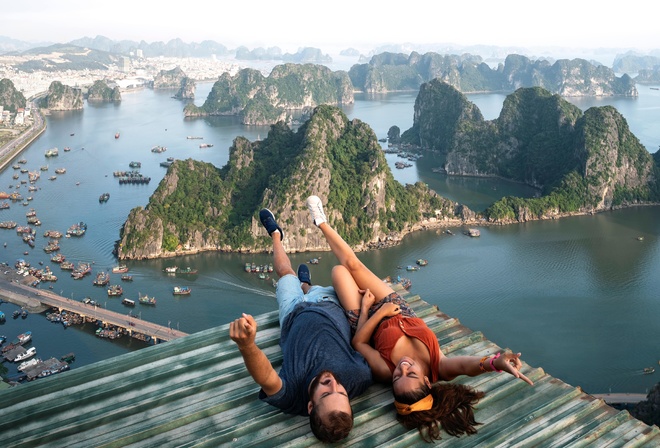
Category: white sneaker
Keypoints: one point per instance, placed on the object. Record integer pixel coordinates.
(316, 210)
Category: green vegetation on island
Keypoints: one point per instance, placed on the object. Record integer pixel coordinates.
(581, 163)
(266, 100)
(200, 207)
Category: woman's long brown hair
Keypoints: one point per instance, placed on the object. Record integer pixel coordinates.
(453, 410)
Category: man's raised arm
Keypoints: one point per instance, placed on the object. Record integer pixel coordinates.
(243, 332)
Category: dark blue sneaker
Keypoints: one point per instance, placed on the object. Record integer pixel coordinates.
(304, 275)
(268, 221)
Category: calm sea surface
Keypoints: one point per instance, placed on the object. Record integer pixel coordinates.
(578, 297)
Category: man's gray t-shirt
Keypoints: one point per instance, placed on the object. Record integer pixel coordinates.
(316, 337)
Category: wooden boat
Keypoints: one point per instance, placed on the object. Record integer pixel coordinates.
(127, 278)
(187, 270)
(128, 302)
(181, 290)
(115, 290)
(104, 197)
(171, 269)
(422, 262)
(410, 267)
(472, 232)
(648, 370)
(120, 269)
(102, 279)
(145, 299)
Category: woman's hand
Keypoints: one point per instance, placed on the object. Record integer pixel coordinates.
(510, 362)
(368, 299)
(390, 309)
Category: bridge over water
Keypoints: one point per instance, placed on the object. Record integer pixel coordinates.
(34, 299)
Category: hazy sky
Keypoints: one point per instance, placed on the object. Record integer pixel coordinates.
(339, 23)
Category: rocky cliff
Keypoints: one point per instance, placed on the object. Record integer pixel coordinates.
(581, 162)
(187, 89)
(100, 91)
(10, 98)
(63, 97)
(289, 88)
(169, 79)
(198, 207)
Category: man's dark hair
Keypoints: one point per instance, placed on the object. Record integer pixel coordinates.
(335, 427)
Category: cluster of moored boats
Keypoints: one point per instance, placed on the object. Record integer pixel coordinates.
(260, 269)
(29, 366)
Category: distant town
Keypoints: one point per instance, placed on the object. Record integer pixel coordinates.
(133, 72)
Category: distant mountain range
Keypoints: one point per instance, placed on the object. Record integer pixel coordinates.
(621, 60)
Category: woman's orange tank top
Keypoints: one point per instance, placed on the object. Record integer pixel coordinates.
(391, 330)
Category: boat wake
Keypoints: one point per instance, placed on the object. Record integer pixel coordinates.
(260, 292)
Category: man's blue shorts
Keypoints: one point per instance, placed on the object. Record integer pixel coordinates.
(289, 294)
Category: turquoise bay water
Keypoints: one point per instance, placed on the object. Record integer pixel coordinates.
(577, 296)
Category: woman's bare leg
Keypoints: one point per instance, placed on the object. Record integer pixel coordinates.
(363, 277)
(347, 290)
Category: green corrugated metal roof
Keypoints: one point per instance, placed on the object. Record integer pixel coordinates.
(196, 392)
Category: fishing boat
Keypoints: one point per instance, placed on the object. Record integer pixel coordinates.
(52, 152)
(411, 268)
(57, 258)
(120, 269)
(135, 164)
(117, 135)
(248, 267)
(127, 278)
(69, 357)
(472, 232)
(145, 299)
(171, 269)
(181, 290)
(187, 270)
(77, 229)
(60, 170)
(29, 353)
(104, 197)
(648, 370)
(102, 279)
(128, 302)
(115, 290)
(158, 149)
(422, 262)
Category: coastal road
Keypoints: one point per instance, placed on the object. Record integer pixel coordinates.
(37, 300)
(13, 147)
